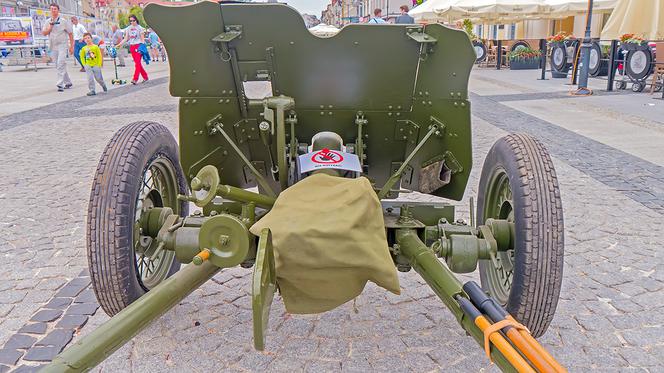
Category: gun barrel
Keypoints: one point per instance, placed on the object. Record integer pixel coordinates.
(92, 349)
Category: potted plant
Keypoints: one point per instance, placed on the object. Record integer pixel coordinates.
(632, 42)
(524, 59)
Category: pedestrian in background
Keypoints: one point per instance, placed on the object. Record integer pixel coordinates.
(135, 37)
(154, 44)
(378, 17)
(91, 58)
(116, 38)
(404, 18)
(78, 30)
(61, 40)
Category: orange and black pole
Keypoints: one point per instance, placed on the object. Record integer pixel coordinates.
(496, 338)
(521, 339)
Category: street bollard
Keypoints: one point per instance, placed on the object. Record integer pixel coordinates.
(499, 54)
(543, 51)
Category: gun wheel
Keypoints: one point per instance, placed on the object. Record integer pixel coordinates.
(519, 184)
(139, 170)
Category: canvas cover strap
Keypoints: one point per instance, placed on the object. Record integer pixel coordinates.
(329, 240)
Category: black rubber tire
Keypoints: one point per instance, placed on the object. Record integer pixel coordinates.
(111, 210)
(560, 66)
(647, 70)
(621, 84)
(601, 66)
(538, 219)
(519, 43)
(478, 44)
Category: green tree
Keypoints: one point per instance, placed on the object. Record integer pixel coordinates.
(123, 18)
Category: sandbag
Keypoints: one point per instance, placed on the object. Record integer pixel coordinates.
(329, 240)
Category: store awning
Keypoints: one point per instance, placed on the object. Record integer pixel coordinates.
(645, 18)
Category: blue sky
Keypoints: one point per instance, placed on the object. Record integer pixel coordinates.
(308, 6)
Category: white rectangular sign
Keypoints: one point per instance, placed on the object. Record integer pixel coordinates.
(327, 158)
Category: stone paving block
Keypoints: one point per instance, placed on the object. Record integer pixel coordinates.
(20, 342)
(34, 328)
(82, 309)
(46, 315)
(333, 349)
(58, 303)
(72, 321)
(58, 338)
(283, 364)
(71, 289)
(87, 296)
(28, 368)
(420, 362)
(318, 366)
(5, 309)
(356, 365)
(41, 354)
(301, 348)
(51, 284)
(9, 356)
(644, 337)
(255, 361)
(389, 363)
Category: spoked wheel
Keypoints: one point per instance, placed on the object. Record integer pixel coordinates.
(138, 171)
(519, 184)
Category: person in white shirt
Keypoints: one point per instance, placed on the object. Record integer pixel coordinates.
(61, 41)
(78, 30)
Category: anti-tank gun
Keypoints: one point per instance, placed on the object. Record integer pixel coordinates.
(381, 109)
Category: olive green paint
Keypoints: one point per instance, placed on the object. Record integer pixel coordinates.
(330, 80)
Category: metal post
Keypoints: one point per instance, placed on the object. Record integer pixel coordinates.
(585, 54)
(543, 51)
(103, 341)
(499, 54)
(613, 54)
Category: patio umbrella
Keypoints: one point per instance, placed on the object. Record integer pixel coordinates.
(492, 11)
(566, 8)
(426, 11)
(644, 18)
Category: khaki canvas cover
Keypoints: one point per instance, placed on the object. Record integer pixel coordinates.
(329, 240)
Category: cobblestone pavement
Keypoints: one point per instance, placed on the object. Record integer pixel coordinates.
(609, 318)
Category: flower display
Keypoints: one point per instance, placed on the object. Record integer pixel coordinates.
(560, 37)
(524, 54)
(631, 39)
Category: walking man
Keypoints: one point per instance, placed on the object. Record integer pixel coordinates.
(60, 40)
(378, 17)
(78, 30)
(404, 18)
(116, 37)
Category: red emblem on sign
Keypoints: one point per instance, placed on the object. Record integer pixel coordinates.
(327, 156)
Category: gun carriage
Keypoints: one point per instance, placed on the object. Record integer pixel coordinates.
(391, 98)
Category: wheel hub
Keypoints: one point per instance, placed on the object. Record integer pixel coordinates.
(158, 190)
(500, 206)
